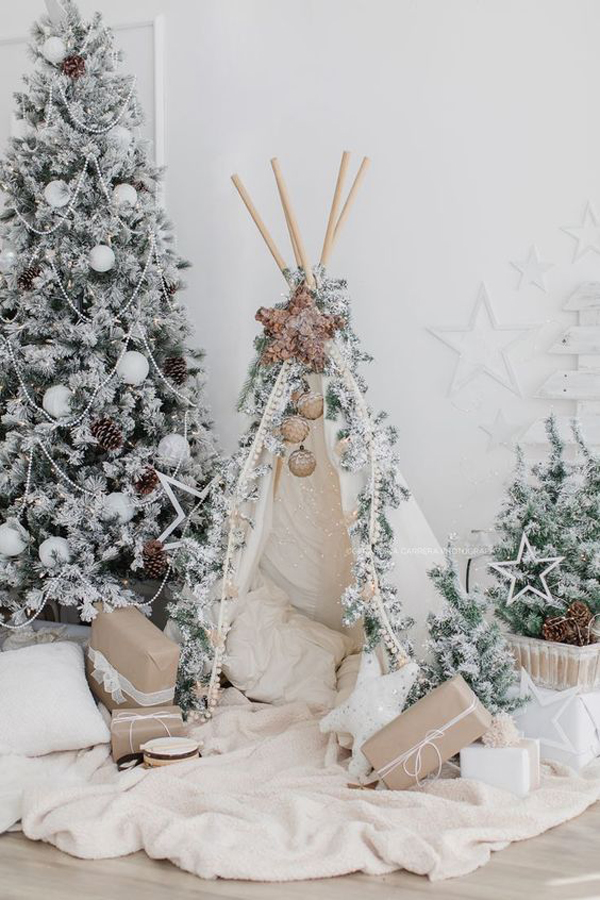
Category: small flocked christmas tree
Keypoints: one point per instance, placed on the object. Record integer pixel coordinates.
(463, 641)
(96, 393)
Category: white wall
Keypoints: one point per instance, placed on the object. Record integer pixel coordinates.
(481, 118)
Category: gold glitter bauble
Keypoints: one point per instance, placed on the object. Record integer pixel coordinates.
(294, 429)
(302, 462)
(310, 405)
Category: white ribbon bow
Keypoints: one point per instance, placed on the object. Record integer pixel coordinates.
(117, 685)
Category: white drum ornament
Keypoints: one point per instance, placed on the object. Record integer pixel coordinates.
(125, 195)
(53, 550)
(57, 401)
(133, 367)
(119, 506)
(8, 258)
(173, 449)
(101, 258)
(54, 50)
(119, 137)
(12, 541)
(57, 193)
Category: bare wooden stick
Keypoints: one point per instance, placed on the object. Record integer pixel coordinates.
(292, 221)
(291, 233)
(351, 197)
(335, 205)
(260, 225)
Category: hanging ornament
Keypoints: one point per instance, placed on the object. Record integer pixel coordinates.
(310, 405)
(57, 401)
(175, 368)
(133, 367)
(13, 539)
(118, 505)
(155, 559)
(27, 277)
(73, 66)
(57, 193)
(125, 195)
(54, 50)
(54, 550)
(8, 258)
(173, 449)
(302, 462)
(294, 429)
(342, 446)
(101, 258)
(107, 433)
(147, 481)
(119, 137)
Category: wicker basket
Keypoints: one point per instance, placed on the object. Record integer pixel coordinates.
(558, 666)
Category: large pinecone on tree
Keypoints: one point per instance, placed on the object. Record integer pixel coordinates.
(73, 66)
(175, 368)
(155, 559)
(27, 276)
(107, 433)
(147, 481)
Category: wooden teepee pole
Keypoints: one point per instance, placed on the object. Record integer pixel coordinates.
(350, 199)
(260, 225)
(335, 205)
(292, 222)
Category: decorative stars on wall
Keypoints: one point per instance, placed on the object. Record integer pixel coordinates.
(528, 567)
(532, 270)
(587, 234)
(501, 432)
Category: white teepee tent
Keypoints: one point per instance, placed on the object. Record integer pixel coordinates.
(313, 531)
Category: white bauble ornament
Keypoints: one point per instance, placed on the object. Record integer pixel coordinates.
(57, 193)
(125, 195)
(173, 449)
(133, 367)
(119, 137)
(54, 50)
(119, 505)
(57, 401)
(8, 258)
(53, 550)
(12, 540)
(101, 258)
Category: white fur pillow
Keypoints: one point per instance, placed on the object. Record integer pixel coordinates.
(277, 655)
(45, 701)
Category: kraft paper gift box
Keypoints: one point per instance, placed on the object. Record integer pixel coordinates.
(422, 738)
(515, 769)
(130, 728)
(130, 662)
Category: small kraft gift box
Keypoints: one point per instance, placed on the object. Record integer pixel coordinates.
(418, 742)
(130, 662)
(515, 768)
(130, 728)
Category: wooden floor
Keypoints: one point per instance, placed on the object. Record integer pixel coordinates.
(563, 864)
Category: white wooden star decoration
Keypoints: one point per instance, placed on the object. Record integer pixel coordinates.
(526, 553)
(501, 432)
(483, 346)
(540, 717)
(168, 483)
(532, 270)
(587, 235)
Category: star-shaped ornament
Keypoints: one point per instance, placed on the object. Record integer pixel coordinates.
(483, 346)
(168, 483)
(532, 270)
(501, 432)
(298, 331)
(540, 717)
(515, 568)
(374, 702)
(587, 234)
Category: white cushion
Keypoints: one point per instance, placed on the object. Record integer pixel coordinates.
(277, 655)
(45, 702)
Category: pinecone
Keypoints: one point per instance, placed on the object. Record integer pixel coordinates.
(107, 433)
(171, 288)
(73, 66)
(580, 613)
(139, 186)
(27, 276)
(559, 629)
(155, 559)
(175, 368)
(147, 481)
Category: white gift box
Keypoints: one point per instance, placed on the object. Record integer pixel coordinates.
(567, 723)
(515, 769)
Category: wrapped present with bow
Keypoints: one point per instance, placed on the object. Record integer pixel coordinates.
(418, 742)
(130, 662)
(130, 728)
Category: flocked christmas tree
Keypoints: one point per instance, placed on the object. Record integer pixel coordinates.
(97, 395)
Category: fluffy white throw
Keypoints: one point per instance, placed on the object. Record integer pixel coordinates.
(270, 802)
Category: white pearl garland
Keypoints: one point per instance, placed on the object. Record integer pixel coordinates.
(61, 216)
(88, 128)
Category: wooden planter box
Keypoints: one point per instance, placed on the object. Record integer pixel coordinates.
(558, 666)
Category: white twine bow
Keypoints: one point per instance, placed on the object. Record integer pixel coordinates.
(417, 750)
(132, 718)
(117, 685)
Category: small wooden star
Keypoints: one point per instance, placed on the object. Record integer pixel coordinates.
(298, 331)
